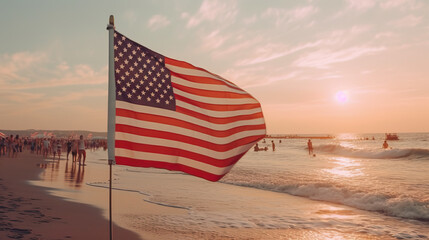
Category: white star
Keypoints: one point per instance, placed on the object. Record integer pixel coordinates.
(129, 45)
(150, 72)
(119, 81)
(137, 75)
(151, 84)
(135, 64)
(148, 61)
(120, 42)
(117, 70)
(126, 61)
(145, 77)
(167, 75)
(128, 84)
(141, 82)
(147, 88)
(122, 77)
(143, 54)
(167, 102)
(153, 68)
(158, 74)
(171, 97)
(115, 34)
(119, 93)
(138, 86)
(154, 79)
(122, 66)
(143, 92)
(157, 100)
(162, 69)
(139, 59)
(160, 59)
(124, 89)
(156, 89)
(132, 80)
(121, 55)
(152, 94)
(123, 38)
(116, 59)
(140, 70)
(134, 52)
(134, 91)
(115, 47)
(163, 80)
(130, 57)
(159, 85)
(131, 69)
(144, 65)
(125, 49)
(127, 73)
(129, 95)
(157, 63)
(168, 86)
(162, 95)
(148, 99)
(139, 97)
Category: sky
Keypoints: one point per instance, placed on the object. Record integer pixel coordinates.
(316, 66)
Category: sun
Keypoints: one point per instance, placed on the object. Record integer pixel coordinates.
(342, 97)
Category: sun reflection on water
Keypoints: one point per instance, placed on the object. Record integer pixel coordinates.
(345, 167)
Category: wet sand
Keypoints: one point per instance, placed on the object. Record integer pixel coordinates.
(29, 212)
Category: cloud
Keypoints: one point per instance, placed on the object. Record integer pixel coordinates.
(12, 65)
(157, 22)
(212, 11)
(323, 58)
(401, 4)
(284, 16)
(26, 70)
(361, 5)
(408, 21)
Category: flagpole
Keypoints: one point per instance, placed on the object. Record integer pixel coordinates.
(111, 115)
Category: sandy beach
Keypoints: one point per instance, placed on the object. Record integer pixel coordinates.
(29, 212)
(51, 199)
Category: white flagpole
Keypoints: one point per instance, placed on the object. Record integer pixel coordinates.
(111, 115)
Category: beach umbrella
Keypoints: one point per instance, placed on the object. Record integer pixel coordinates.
(2, 135)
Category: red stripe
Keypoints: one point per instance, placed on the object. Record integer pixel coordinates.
(204, 80)
(171, 151)
(169, 166)
(218, 120)
(186, 139)
(183, 64)
(210, 93)
(218, 107)
(184, 124)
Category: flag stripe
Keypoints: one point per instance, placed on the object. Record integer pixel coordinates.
(215, 130)
(166, 153)
(182, 146)
(219, 147)
(210, 93)
(218, 120)
(189, 132)
(169, 166)
(217, 107)
(217, 114)
(189, 118)
(210, 100)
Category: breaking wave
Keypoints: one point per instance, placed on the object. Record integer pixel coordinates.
(371, 153)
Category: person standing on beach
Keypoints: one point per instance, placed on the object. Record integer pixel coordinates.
(81, 150)
(274, 146)
(310, 147)
(69, 148)
(385, 145)
(45, 147)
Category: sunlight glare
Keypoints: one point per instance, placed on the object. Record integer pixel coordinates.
(342, 97)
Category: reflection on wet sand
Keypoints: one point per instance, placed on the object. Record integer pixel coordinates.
(73, 172)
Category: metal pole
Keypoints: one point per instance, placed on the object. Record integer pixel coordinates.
(111, 115)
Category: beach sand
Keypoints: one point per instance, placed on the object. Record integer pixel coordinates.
(28, 212)
(64, 206)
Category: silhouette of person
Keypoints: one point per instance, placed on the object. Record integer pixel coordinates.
(310, 147)
(385, 145)
(274, 146)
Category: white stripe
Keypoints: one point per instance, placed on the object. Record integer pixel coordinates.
(188, 132)
(197, 73)
(216, 101)
(217, 114)
(181, 145)
(205, 86)
(120, 152)
(187, 118)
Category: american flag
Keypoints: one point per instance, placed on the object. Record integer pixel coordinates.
(173, 115)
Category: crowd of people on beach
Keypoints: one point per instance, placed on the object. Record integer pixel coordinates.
(11, 146)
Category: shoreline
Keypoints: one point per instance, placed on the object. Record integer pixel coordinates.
(31, 212)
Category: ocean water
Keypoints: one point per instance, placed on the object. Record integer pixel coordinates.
(351, 185)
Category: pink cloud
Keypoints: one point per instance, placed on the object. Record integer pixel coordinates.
(408, 21)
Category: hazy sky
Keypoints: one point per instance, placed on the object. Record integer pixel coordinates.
(328, 66)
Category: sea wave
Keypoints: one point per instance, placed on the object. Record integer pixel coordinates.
(398, 206)
(372, 153)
